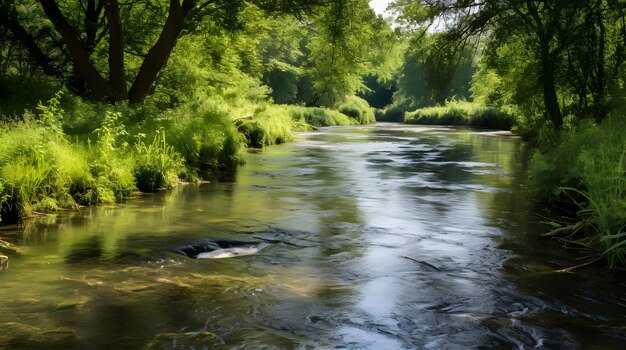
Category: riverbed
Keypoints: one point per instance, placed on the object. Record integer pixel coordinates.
(371, 237)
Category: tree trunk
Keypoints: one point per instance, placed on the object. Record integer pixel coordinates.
(159, 54)
(97, 84)
(550, 98)
(600, 94)
(10, 22)
(117, 75)
(92, 16)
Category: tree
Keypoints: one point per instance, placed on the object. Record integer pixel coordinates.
(349, 42)
(553, 31)
(80, 29)
(323, 60)
(435, 71)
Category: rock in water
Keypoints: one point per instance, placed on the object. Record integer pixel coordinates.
(219, 248)
(232, 252)
(4, 262)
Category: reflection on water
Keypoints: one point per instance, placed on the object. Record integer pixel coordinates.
(379, 237)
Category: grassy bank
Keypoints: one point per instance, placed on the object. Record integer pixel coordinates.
(461, 113)
(274, 124)
(587, 171)
(92, 154)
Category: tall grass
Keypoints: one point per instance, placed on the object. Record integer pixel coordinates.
(462, 113)
(202, 131)
(270, 125)
(588, 169)
(157, 164)
(603, 208)
(39, 169)
(319, 117)
(358, 109)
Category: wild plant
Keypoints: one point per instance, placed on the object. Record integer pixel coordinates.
(157, 163)
(112, 167)
(603, 211)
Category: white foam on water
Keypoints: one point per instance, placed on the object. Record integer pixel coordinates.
(231, 252)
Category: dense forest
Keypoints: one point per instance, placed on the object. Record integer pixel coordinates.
(103, 98)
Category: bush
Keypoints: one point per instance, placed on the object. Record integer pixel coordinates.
(357, 109)
(204, 134)
(157, 164)
(463, 114)
(318, 117)
(269, 126)
(395, 111)
(588, 169)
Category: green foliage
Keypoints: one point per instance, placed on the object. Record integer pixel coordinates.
(39, 169)
(357, 109)
(396, 110)
(435, 69)
(588, 169)
(322, 62)
(269, 126)
(202, 131)
(462, 113)
(319, 116)
(75, 184)
(351, 43)
(110, 164)
(157, 164)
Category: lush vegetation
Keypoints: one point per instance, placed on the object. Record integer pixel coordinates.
(588, 168)
(462, 113)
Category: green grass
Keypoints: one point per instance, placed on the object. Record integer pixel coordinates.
(461, 113)
(270, 125)
(157, 164)
(358, 109)
(588, 170)
(318, 116)
(203, 132)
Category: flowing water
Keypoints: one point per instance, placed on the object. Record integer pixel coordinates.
(377, 237)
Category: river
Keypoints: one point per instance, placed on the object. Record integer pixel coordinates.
(374, 237)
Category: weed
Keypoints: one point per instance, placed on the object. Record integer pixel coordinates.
(461, 113)
(157, 163)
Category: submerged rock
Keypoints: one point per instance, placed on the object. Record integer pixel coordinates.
(191, 340)
(72, 303)
(14, 334)
(4, 262)
(220, 249)
(232, 252)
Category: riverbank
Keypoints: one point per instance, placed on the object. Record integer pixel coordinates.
(97, 154)
(457, 113)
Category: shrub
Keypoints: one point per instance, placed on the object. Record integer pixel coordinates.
(395, 111)
(588, 170)
(357, 109)
(157, 164)
(111, 165)
(203, 133)
(318, 117)
(463, 114)
(269, 126)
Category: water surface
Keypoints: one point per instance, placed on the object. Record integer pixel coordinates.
(377, 237)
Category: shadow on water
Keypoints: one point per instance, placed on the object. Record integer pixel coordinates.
(382, 237)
